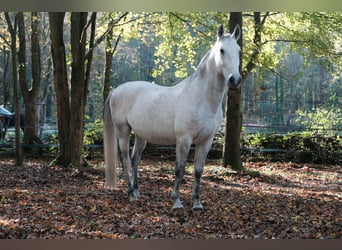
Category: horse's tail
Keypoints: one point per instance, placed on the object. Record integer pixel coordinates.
(110, 147)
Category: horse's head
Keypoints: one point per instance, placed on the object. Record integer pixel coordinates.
(227, 56)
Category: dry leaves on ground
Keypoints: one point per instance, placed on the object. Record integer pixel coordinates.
(285, 201)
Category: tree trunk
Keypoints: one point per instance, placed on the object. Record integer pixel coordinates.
(78, 92)
(321, 83)
(88, 62)
(108, 65)
(110, 50)
(36, 70)
(56, 20)
(30, 93)
(13, 29)
(231, 152)
(281, 82)
(70, 127)
(6, 85)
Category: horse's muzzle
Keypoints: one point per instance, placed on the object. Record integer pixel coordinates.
(234, 82)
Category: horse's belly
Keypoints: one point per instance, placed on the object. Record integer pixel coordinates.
(153, 126)
(156, 135)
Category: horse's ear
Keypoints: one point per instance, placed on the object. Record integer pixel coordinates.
(220, 32)
(237, 32)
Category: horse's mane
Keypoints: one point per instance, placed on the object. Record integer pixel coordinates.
(202, 65)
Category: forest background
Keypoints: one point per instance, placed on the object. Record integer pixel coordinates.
(291, 65)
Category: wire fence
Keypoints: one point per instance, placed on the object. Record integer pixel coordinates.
(274, 116)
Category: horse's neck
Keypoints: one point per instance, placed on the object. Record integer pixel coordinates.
(211, 84)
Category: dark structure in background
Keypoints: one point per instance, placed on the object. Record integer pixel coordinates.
(7, 119)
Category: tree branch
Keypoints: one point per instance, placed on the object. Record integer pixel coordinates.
(257, 42)
(117, 42)
(287, 41)
(5, 40)
(104, 35)
(264, 18)
(188, 23)
(9, 23)
(278, 74)
(92, 21)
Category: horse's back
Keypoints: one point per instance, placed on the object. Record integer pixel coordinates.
(149, 110)
(140, 93)
(130, 89)
(124, 97)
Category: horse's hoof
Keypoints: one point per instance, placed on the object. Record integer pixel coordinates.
(133, 198)
(110, 186)
(177, 206)
(197, 207)
(137, 194)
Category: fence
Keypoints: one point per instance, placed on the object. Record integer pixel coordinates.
(266, 118)
(272, 116)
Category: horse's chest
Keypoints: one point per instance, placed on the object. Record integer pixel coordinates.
(200, 125)
(206, 131)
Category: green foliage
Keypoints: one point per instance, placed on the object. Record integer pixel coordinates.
(310, 34)
(322, 120)
(93, 133)
(184, 39)
(93, 139)
(51, 139)
(296, 147)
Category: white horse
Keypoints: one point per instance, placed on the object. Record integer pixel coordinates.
(189, 112)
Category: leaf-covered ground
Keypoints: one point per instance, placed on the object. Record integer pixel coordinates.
(285, 201)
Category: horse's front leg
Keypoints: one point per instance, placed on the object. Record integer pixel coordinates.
(182, 150)
(200, 157)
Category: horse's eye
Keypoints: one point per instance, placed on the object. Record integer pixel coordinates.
(222, 51)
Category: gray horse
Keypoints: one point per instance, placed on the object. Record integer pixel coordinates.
(189, 112)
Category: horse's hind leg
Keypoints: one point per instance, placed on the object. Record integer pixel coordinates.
(139, 146)
(123, 136)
